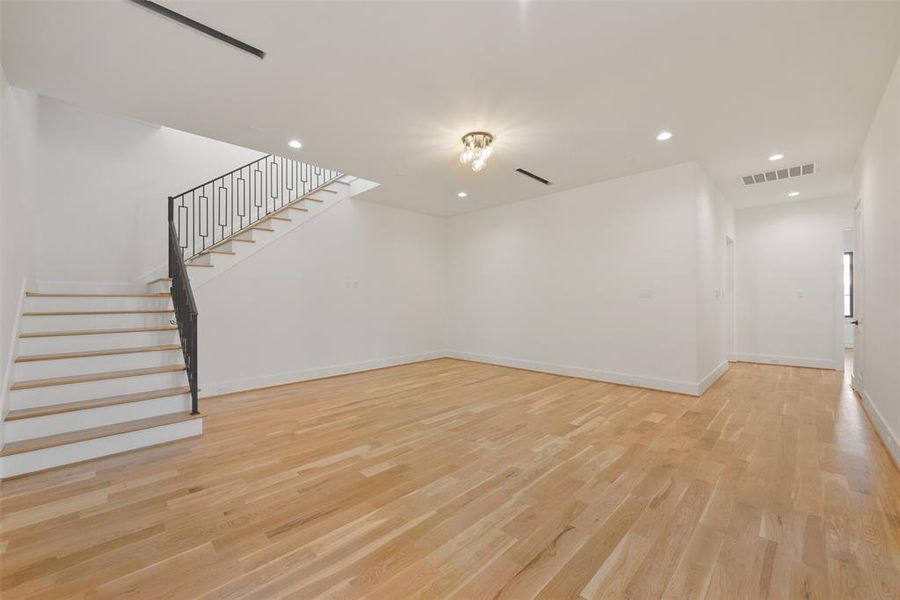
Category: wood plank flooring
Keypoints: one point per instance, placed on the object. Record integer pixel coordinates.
(450, 479)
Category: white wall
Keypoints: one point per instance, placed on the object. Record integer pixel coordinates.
(18, 197)
(104, 181)
(878, 185)
(559, 282)
(361, 286)
(715, 223)
(788, 264)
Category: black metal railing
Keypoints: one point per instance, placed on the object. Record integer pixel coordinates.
(216, 210)
(185, 307)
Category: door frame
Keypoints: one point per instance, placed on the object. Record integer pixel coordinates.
(859, 303)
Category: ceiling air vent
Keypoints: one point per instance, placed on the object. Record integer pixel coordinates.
(779, 174)
(535, 177)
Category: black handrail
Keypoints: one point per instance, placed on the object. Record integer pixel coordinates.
(210, 213)
(185, 307)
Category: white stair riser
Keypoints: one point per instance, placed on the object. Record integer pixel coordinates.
(200, 260)
(281, 226)
(26, 429)
(88, 287)
(59, 304)
(159, 286)
(44, 369)
(38, 460)
(105, 341)
(81, 322)
(74, 392)
(220, 261)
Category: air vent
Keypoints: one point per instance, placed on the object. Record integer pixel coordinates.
(187, 21)
(797, 171)
(535, 177)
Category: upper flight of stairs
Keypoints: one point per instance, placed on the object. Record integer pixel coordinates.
(94, 374)
(235, 248)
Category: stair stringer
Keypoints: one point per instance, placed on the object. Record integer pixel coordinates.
(263, 239)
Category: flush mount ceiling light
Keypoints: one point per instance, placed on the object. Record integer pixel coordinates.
(793, 194)
(476, 149)
(776, 157)
(461, 195)
(663, 136)
(295, 144)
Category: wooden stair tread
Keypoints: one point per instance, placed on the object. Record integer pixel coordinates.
(93, 433)
(34, 334)
(216, 251)
(92, 353)
(326, 190)
(300, 208)
(67, 295)
(310, 198)
(277, 218)
(72, 313)
(195, 265)
(258, 228)
(54, 409)
(236, 239)
(88, 377)
(160, 279)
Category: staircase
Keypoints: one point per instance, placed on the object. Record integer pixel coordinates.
(95, 374)
(102, 373)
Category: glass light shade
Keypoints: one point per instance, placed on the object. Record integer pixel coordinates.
(476, 149)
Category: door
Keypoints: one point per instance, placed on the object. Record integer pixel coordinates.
(859, 274)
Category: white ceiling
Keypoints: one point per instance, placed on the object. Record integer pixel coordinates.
(575, 92)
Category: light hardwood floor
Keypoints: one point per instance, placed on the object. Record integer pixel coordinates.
(449, 479)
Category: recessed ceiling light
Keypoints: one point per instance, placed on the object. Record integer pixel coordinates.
(793, 194)
(462, 195)
(295, 144)
(776, 157)
(663, 136)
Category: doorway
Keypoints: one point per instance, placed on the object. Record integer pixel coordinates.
(857, 299)
(729, 300)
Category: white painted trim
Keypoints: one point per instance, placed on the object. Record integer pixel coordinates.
(789, 361)
(286, 377)
(10, 368)
(732, 357)
(666, 385)
(888, 437)
(712, 377)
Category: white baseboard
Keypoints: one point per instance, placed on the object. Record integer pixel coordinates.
(789, 361)
(712, 377)
(655, 383)
(251, 383)
(10, 366)
(890, 440)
